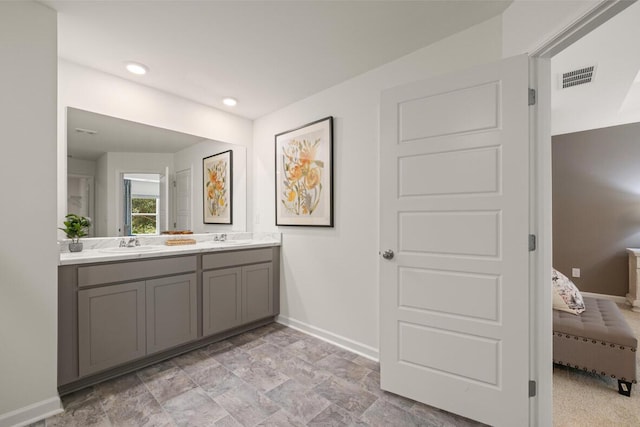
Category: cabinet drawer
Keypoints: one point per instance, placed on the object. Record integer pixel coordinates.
(126, 271)
(230, 259)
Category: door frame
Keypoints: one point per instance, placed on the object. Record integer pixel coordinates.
(541, 408)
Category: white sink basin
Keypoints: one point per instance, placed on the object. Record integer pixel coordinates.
(218, 243)
(132, 250)
(237, 242)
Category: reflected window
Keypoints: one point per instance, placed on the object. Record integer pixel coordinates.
(144, 216)
(141, 203)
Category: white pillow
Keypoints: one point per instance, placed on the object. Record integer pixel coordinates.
(566, 296)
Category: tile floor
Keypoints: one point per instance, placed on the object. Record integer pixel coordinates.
(271, 376)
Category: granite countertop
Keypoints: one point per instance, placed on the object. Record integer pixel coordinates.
(106, 249)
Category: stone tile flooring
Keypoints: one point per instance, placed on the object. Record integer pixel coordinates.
(271, 376)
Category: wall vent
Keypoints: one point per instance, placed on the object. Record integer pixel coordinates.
(578, 77)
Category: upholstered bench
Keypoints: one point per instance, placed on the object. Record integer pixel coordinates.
(599, 340)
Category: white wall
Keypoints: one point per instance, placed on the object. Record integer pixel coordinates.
(94, 91)
(329, 277)
(191, 158)
(28, 255)
(81, 167)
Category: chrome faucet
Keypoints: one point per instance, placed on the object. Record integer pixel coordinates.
(220, 238)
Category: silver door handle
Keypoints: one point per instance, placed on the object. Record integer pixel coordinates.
(388, 254)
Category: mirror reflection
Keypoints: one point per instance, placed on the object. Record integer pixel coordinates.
(135, 179)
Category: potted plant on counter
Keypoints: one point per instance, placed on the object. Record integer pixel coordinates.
(75, 227)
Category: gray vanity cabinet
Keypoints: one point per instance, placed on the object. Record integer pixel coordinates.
(111, 326)
(238, 295)
(118, 316)
(172, 311)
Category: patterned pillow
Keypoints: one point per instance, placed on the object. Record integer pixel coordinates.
(566, 296)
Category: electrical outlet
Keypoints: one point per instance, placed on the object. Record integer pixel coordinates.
(575, 272)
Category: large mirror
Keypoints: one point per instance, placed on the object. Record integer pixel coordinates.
(135, 179)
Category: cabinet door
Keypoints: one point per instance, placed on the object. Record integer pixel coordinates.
(111, 326)
(172, 311)
(221, 300)
(257, 291)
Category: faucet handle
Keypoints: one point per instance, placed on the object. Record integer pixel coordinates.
(137, 242)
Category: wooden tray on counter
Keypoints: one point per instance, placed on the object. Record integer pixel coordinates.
(177, 242)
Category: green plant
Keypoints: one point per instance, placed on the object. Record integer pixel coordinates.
(76, 226)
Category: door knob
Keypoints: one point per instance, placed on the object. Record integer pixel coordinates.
(388, 254)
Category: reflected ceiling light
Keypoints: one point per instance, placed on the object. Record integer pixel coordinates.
(137, 68)
(231, 102)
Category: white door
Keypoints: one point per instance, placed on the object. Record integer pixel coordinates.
(163, 209)
(454, 300)
(183, 200)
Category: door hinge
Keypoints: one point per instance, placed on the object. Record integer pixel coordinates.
(532, 388)
(532, 242)
(532, 97)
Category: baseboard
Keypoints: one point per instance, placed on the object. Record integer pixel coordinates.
(614, 298)
(32, 413)
(335, 339)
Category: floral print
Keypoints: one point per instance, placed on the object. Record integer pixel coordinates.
(302, 185)
(216, 188)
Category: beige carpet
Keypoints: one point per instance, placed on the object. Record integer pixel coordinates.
(584, 399)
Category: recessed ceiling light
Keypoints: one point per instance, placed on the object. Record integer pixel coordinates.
(136, 68)
(231, 102)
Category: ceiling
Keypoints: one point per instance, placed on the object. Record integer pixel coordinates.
(267, 54)
(90, 135)
(612, 97)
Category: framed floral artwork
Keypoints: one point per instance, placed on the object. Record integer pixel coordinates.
(304, 175)
(217, 173)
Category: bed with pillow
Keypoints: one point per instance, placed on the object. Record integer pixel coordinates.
(591, 334)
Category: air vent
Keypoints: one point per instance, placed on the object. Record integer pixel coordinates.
(87, 131)
(578, 77)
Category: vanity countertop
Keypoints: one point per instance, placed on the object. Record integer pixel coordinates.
(106, 249)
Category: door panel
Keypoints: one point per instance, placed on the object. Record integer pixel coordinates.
(465, 171)
(221, 300)
(172, 311)
(183, 200)
(454, 301)
(111, 326)
(456, 111)
(257, 288)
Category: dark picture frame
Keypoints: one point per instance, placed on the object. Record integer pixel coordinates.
(217, 188)
(304, 175)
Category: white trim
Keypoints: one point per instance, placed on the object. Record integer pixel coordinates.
(541, 371)
(614, 298)
(32, 413)
(335, 339)
(591, 20)
(542, 408)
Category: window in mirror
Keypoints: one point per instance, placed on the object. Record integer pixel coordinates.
(141, 203)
